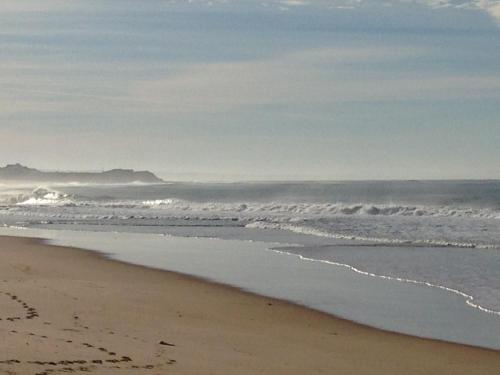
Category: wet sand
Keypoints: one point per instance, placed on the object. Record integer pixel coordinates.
(66, 310)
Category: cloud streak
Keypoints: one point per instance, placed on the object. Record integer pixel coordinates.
(17, 6)
(492, 7)
(316, 77)
(307, 78)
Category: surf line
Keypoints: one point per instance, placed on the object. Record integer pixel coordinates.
(469, 300)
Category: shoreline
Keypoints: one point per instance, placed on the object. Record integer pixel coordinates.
(237, 289)
(228, 329)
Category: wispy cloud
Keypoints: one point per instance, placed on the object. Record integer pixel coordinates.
(493, 8)
(488, 7)
(37, 5)
(310, 77)
(294, 3)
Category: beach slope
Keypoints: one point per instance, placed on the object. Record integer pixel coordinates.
(66, 310)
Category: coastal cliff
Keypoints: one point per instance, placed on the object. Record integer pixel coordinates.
(18, 172)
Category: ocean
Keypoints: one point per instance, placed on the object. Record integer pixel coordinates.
(443, 213)
(407, 238)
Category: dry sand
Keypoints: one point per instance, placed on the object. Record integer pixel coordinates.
(66, 310)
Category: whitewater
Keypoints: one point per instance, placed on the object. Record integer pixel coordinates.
(459, 214)
(441, 234)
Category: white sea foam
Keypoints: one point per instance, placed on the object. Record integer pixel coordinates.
(49, 196)
(391, 224)
(470, 300)
(324, 208)
(390, 241)
(43, 197)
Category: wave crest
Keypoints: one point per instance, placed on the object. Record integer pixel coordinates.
(43, 197)
(327, 209)
(378, 240)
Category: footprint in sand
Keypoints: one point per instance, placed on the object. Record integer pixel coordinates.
(102, 357)
(26, 311)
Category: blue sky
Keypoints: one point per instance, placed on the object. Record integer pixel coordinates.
(319, 89)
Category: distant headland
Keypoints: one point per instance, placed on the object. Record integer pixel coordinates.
(18, 172)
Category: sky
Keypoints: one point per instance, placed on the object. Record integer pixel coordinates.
(236, 90)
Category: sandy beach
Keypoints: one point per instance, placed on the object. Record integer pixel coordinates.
(66, 310)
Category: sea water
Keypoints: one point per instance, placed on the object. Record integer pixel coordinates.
(442, 236)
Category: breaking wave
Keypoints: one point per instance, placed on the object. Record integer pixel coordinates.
(437, 217)
(43, 196)
(326, 209)
(40, 197)
(378, 240)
